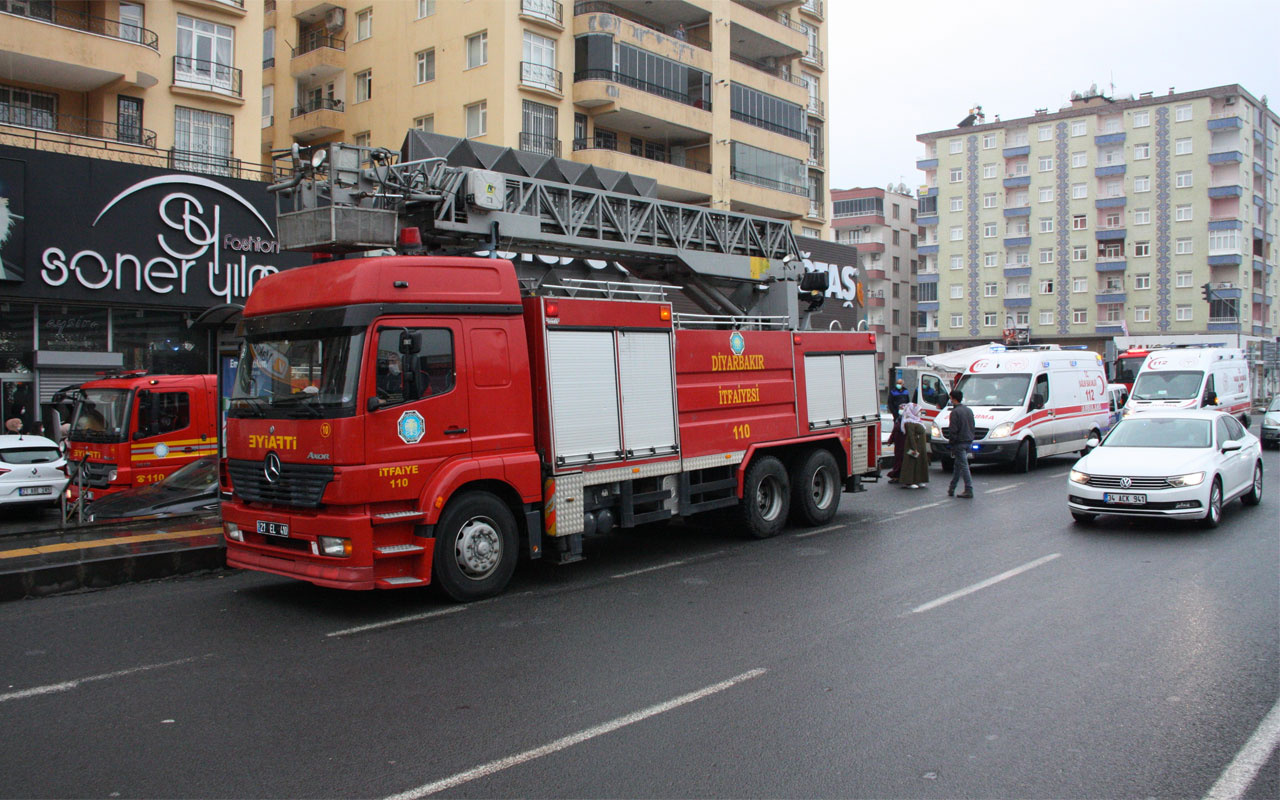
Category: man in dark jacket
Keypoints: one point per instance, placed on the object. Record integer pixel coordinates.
(898, 397)
(959, 435)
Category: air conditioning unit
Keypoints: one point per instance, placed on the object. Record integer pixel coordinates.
(1230, 101)
(335, 19)
(866, 229)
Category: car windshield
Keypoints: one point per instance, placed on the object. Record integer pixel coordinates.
(102, 415)
(1173, 385)
(1127, 368)
(994, 390)
(307, 374)
(1146, 431)
(197, 476)
(29, 455)
(1275, 404)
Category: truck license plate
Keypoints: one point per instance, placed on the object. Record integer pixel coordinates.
(273, 528)
(1124, 499)
(27, 491)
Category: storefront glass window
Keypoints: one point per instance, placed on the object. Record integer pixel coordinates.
(16, 336)
(159, 342)
(80, 329)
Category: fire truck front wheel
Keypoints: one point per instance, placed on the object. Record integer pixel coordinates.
(815, 489)
(476, 547)
(766, 498)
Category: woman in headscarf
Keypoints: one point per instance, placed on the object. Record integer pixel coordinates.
(915, 460)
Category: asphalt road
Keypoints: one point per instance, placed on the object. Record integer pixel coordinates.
(920, 646)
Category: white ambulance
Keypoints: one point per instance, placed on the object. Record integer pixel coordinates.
(1194, 377)
(1028, 404)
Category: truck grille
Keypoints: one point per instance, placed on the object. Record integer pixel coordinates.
(95, 473)
(1113, 482)
(299, 485)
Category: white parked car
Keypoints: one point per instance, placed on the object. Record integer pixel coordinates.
(1271, 423)
(1183, 464)
(32, 471)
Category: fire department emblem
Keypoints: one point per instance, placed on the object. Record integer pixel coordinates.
(411, 427)
(737, 343)
(161, 450)
(325, 430)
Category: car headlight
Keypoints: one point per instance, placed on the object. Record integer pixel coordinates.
(1271, 419)
(1077, 476)
(1190, 479)
(112, 475)
(935, 432)
(1001, 431)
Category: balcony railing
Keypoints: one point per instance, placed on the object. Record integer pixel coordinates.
(207, 163)
(209, 75)
(314, 40)
(317, 104)
(815, 106)
(675, 160)
(813, 56)
(542, 145)
(644, 86)
(813, 7)
(594, 7)
(776, 71)
(79, 21)
(769, 183)
(540, 76)
(767, 125)
(785, 19)
(37, 119)
(549, 10)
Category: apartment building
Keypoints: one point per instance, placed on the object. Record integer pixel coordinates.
(882, 224)
(722, 102)
(1104, 219)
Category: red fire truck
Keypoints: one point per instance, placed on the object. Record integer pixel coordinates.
(132, 429)
(412, 419)
(1127, 365)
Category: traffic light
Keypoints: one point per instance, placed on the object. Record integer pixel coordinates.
(1207, 291)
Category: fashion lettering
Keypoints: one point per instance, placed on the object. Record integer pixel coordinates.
(728, 362)
(749, 394)
(273, 442)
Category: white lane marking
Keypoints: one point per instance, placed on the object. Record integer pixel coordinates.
(1060, 474)
(827, 529)
(1002, 488)
(572, 739)
(440, 612)
(917, 508)
(650, 569)
(67, 686)
(1003, 576)
(1240, 773)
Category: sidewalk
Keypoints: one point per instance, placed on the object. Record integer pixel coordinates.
(45, 562)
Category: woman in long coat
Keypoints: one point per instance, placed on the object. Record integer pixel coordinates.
(915, 460)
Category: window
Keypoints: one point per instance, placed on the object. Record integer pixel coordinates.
(989, 230)
(1079, 253)
(1019, 258)
(1223, 242)
(989, 200)
(1182, 247)
(426, 124)
(990, 259)
(989, 319)
(1182, 113)
(1079, 222)
(1182, 280)
(957, 261)
(1142, 314)
(364, 85)
(1078, 127)
(1111, 284)
(1141, 249)
(1079, 285)
(426, 65)
(1182, 180)
(956, 146)
(477, 119)
(897, 237)
(1080, 159)
(1079, 316)
(1183, 314)
(1111, 250)
(1142, 216)
(957, 204)
(364, 24)
(1046, 286)
(1114, 187)
(268, 105)
(990, 290)
(131, 25)
(1024, 319)
(1046, 255)
(1142, 183)
(1141, 151)
(1141, 119)
(1182, 213)
(1045, 163)
(957, 174)
(957, 320)
(539, 66)
(429, 372)
(362, 139)
(1111, 220)
(957, 233)
(1044, 133)
(1046, 317)
(988, 141)
(988, 170)
(897, 214)
(202, 141)
(426, 8)
(1142, 281)
(477, 49)
(1111, 312)
(1046, 224)
(164, 412)
(1079, 191)
(1046, 194)
(268, 45)
(205, 55)
(1182, 147)
(957, 291)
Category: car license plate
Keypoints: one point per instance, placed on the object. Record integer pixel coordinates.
(1124, 499)
(273, 528)
(27, 491)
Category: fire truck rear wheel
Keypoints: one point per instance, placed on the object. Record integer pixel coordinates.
(476, 547)
(815, 489)
(766, 498)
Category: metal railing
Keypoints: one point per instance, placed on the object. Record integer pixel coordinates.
(813, 7)
(208, 75)
(26, 117)
(595, 7)
(644, 86)
(549, 10)
(79, 21)
(675, 160)
(769, 183)
(771, 69)
(268, 63)
(815, 106)
(206, 163)
(317, 104)
(542, 145)
(784, 19)
(813, 56)
(540, 76)
(314, 40)
(768, 126)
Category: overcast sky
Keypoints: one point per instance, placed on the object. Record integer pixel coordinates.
(898, 69)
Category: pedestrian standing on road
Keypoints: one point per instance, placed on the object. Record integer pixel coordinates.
(959, 435)
(915, 444)
(898, 397)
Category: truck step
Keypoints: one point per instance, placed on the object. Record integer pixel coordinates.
(396, 516)
(398, 549)
(388, 583)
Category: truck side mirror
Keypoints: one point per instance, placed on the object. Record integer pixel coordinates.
(410, 344)
(374, 403)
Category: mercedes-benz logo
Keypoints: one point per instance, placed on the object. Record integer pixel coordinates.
(1125, 483)
(271, 467)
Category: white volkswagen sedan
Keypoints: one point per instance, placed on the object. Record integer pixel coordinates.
(1182, 464)
(32, 471)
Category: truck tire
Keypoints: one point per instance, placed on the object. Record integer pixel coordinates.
(766, 498)
(815, 489)
(476, 547)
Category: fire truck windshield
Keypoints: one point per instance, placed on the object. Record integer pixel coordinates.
(994, 390)
(1127, 368)
(304, 374)
(102, 415)
(1167, 385)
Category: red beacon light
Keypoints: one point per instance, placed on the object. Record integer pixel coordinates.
(553, 310)
(410, 237)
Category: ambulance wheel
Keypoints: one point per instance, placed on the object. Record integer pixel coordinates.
(766, 498)
(476, 547)
(1025, 457)
(815, 489)
(946, 462)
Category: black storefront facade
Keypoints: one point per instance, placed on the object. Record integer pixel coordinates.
(107, 265)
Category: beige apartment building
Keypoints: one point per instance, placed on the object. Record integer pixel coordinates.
(722, 102)
(169, 83)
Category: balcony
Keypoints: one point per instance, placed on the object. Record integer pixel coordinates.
(1106, 233)
(927, 163)
(812, 7)
(1108, 138)
(78, 21)
(1226, 157)
(875, 299)
(781, 73)
(58, 48)
(672, 31)
(1110, 202)
(930, 276)
(207, 76)
(1223, 324)
(1018, 211)
(317, 118)
(815, 107)
(318, 56)
(1104, 297)
(927, 221)
(1111, 264)
(66, 125)
(541, 78)
(1017, 270)
(542, 145)
(768, 126)
(1016, 181)
(1225, 259)
(927, 250)
(635, 83)
(813, 56)
(1109, 170)
(1018, 302)
(548, 12)
(1222, 122)
(1225, 224)
(1015, 152)
(1226, 191)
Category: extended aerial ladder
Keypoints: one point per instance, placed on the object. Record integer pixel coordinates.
(342, 199)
